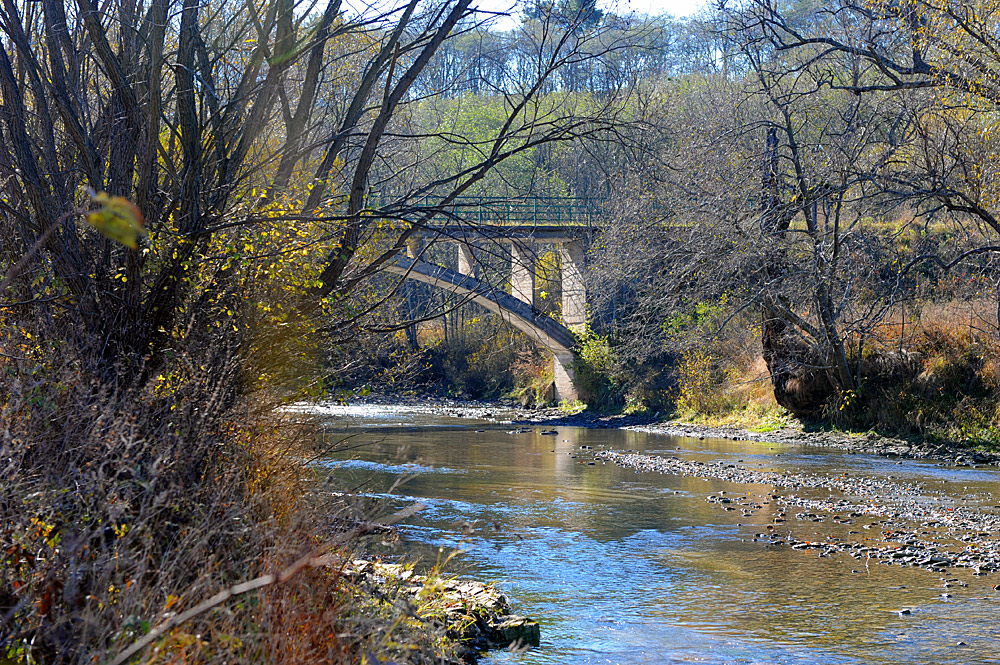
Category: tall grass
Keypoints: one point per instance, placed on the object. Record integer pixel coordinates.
(725, 382)
(122, 509)
(934, 371)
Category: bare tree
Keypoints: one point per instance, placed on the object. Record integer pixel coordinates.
(222, 122)
(769, 197)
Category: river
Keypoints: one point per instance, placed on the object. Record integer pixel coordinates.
(625, 567)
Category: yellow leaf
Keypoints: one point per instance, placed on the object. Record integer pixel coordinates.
(117, 218)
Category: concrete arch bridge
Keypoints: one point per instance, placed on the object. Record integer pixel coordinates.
(517, 308)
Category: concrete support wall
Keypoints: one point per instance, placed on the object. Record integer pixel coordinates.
(564, 375)
(414, 245)
(522, 272)
(574, 295)
(466, 259)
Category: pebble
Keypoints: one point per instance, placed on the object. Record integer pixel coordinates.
(950, 533)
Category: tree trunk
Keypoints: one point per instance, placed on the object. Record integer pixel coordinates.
(797, 373)
(800, 384)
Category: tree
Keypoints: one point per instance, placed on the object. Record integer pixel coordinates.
(941, 61)
(761, 197)
(927, 71)
(224, 127)
(195, 199)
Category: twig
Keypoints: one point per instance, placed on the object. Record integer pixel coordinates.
(307, 561)
(17, 267)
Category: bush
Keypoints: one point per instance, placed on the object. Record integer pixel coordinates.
(486, 359)
(597, 373)
(932, 374)
(123, 507)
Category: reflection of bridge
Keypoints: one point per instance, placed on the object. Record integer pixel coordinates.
(563, 224)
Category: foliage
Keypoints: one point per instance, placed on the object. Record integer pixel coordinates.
(721, 375)
(151, 330)
(485, 358)
(572, 408)
(597, 372)
(117, 218)
(698, 377)
(122, 510)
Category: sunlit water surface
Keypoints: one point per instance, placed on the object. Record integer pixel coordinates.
(624, 567)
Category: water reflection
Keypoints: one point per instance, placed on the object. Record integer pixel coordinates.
(622, 567)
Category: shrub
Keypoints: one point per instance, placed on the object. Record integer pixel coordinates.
(123, 507)
(485, 359)
(932, 374)
(598, 374)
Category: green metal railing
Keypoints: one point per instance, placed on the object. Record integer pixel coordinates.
(526, 211)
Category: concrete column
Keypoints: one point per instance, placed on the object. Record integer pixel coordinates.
(522, 272)
(466, 260)
(414, 245)
(564, 375)
(574, 295)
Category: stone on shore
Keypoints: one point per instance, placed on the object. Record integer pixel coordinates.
(515, 629)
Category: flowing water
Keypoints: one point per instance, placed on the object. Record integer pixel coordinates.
(624, 567)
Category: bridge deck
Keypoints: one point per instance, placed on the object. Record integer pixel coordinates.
(537, 212)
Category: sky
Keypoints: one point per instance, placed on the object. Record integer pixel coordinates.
(677, 8)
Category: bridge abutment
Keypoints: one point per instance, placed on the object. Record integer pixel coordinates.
(564, 377)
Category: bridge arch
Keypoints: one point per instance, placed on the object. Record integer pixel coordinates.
(544, 330)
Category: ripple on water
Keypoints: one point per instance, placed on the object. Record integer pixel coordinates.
(632, 569)
(382, 467)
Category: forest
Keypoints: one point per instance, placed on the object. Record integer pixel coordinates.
(793, 215)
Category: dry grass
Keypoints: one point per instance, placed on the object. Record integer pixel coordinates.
(484, 358)
(725, 382)
(738, 396)
(933, 372)
(930, 371)
(120, 510)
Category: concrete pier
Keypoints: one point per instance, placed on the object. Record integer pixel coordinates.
(522, 272)
(466, 259)
(414, 246)
(565, 377)
(574, 292)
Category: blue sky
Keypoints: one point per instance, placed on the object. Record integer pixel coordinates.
(675, 7)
